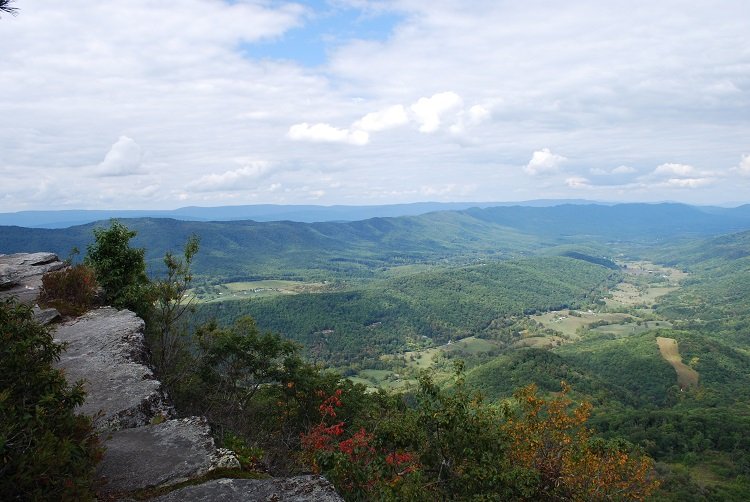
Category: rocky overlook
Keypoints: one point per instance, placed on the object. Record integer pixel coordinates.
(147, 445)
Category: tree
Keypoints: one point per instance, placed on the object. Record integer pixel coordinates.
(120, 269)
(550, 437)
(239, 360)
(451, 445)
(47, 452)
(172, 303)
(5, 7)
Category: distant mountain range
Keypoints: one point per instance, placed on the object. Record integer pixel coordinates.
(246, 249)
(257, 212)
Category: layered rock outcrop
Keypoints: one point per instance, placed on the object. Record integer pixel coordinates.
(21, 278)
(105, 348)
(146, 446)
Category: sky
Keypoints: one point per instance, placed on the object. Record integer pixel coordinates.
(147, 104)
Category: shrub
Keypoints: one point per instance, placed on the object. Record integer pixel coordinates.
(47, 452)
(451, 445)
(120, 269)
(71, 291)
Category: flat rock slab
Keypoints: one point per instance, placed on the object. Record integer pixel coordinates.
(105, 349)
(158, 455)
(21, 274)
(296, 489)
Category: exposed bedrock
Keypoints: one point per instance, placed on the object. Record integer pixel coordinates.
(105, 348)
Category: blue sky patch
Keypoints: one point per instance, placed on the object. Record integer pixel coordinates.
(326, 27)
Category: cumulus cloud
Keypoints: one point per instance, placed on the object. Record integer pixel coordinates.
(124, 158)
(209, 95)
(675, 175)
(544, 162)
(237, 179)
(326, 133)
(472, 117)
(429, 111)
(390, 117)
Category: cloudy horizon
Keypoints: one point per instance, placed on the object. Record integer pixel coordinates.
(159, 105)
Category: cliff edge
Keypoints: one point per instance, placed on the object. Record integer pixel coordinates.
(146, 445)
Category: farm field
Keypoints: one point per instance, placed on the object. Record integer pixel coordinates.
(570, 326)
(670, 351)
(254, 289)
(416, 361)
(644, 284)
(558, 327)
(631, 328)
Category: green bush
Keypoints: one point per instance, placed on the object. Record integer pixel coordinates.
(71, 291)
(120, 269)
(47, 452)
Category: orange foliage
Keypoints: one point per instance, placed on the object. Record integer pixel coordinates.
(550, 438)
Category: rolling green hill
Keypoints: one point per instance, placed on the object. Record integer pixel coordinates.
(249, 250)
(428, 307)
(242, 250)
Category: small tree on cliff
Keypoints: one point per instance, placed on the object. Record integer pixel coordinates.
(120, 269)
(171, 303)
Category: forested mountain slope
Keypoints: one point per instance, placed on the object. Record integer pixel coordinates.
(284, 249)
(420, 309)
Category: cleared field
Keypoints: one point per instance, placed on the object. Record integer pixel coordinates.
(568, 325)
(646, 268)
(629, 295)
(382, 379)
(644, 283)
(632, 328)
(686, 376)
(471, 345)
(255, 289)
(539, 342)
(423, 359)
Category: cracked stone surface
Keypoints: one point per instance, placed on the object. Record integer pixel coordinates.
(21, 274)
(159, 455)
(296, 489)
(105, 349)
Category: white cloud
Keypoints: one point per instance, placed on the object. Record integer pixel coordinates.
(744, 166)
(390, 117)
(478, 114)
(577, 182)
(327, 133)
(544, 162)
(238, 179)
(679, 176)
(675, 169)
(650, 88)
(689, 182)
(123, 159)
(429, 111)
